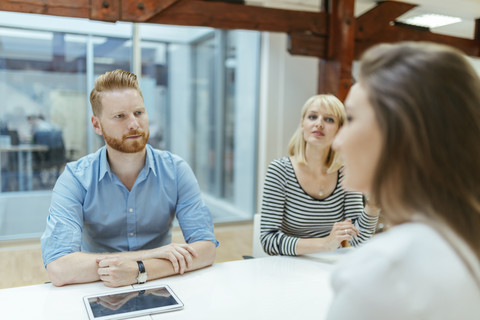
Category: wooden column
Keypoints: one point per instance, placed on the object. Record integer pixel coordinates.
(477, 35)
(335, 72)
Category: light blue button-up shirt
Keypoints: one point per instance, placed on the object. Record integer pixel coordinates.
(93, 211)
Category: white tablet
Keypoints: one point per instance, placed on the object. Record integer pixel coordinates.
(133, 302)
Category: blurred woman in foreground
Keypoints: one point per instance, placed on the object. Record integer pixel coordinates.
(412, 142)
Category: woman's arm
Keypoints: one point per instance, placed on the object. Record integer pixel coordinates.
(341, 231)
(365, 220)
(273, 240)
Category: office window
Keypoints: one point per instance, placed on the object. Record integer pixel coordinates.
(201, 92)
(214, 116)
(42, 84)
(214, 113)
(154, 85)
(200, 89)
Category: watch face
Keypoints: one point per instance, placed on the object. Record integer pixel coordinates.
(142, 277)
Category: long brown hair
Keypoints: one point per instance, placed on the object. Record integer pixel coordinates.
(426, 99)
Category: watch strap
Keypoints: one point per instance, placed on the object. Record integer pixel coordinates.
(141, 267)
(142, 273)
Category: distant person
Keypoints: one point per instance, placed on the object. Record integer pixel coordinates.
(412, 143)
(305, 208)
(9, 160)
(47, 164)
(39, 124)
(17, 122)
(112, 211)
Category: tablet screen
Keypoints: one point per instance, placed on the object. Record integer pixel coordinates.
(131, 302)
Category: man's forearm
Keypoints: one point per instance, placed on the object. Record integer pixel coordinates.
(81, 267)
(77, 267)
(159, 268)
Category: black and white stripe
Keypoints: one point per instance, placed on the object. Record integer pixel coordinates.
(289, 213)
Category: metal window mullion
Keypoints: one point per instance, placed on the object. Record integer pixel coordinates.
(89, 65)
(136, 51)
(219, 105)
(167, 122)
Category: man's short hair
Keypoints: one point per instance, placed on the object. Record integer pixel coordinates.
(112, 80)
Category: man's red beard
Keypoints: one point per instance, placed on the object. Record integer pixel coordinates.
(126, 146)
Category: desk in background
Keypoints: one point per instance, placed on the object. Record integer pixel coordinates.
(24, 160)
(262, 288)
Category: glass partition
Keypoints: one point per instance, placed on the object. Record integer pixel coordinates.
(200, 90)
(42, 82)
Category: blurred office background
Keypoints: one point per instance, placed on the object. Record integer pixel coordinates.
(227, 101)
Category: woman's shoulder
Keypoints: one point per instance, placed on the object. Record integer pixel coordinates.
(281, 163)
(402, 243)
(280, 169)
(411, 253)
(409, 264)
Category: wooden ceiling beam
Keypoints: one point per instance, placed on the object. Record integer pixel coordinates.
(308, 31)
(375, 20)
(128, 10)
(335, 71)
(143, 10)
(179, 12)
(105, 10)
(238, 16)
(307, 44)
(65, 8)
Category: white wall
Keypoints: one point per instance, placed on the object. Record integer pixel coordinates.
(286, 82)
(475, 63)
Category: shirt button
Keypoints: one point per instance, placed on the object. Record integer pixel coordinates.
(131, 210)
(131, 234)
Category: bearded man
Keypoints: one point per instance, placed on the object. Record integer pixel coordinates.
(111, 213)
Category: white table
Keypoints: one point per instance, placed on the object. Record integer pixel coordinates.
(262, 288)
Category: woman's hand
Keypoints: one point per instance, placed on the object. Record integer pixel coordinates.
(341, 231)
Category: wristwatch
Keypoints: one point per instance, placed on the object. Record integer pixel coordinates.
(142, 274)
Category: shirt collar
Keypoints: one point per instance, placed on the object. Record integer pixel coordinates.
(105, 167)
(150, 161)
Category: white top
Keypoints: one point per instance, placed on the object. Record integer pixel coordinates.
(409, 272)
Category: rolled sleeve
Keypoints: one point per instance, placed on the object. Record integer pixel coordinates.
(193, 215)
(63, 233)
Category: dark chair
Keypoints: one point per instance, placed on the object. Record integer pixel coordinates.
(10, 162)
(48, 164)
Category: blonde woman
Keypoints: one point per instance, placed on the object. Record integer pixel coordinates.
(412, 141)
(305, 209)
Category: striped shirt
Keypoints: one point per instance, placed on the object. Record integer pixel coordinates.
(289, 213)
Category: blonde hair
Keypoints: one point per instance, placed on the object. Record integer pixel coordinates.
(117, 79)
(426, 99)
(297, 144)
